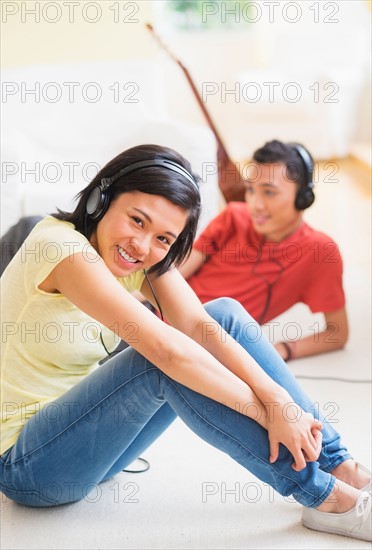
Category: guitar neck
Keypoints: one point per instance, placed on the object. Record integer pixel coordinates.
(203, 107)
(193, 88)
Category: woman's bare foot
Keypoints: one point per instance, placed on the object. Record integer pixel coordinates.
(342, 498)
(349, 472)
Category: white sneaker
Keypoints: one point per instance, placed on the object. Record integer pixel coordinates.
(355, 523)
(367, 487)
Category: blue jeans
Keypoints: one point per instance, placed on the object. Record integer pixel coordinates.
(107, 420)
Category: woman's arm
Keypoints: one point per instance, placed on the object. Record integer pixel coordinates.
(93, 289)
(184, 311)
(332, 338)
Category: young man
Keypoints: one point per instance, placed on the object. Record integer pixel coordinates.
(264, 255)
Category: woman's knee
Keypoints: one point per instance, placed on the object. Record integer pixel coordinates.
(234, 319)
(227, 310)
(224, 306)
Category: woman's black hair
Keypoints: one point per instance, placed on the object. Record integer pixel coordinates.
(285, 153)
(156, 180)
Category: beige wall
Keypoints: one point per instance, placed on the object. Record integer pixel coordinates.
(111, 30)
(82, 31)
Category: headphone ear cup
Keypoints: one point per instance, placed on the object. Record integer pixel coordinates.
(304, 198)
(97, 203)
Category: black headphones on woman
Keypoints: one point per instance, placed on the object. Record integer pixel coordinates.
(305, 195)
(99, 199)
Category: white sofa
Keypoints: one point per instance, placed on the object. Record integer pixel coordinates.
(62, 122)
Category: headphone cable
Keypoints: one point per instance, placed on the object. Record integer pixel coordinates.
(154, 295)
(267, 283)
(333, 378)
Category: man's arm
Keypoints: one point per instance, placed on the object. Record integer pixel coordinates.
(332, 338)
(193, 263)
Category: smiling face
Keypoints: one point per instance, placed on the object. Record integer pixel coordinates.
(137, 232)
(270, 197)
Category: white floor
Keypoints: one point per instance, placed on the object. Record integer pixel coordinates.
(194, 496)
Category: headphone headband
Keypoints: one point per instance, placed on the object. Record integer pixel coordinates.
(307, 160)
(98, 200)
(305, 195)
(164, 163)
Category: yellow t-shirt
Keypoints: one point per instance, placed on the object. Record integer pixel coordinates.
(47, 344)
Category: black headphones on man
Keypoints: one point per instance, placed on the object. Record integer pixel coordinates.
(305, 195)
(99, 199)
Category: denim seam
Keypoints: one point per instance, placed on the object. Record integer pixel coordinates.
(327, 491)
(80, 418)
(25, 492)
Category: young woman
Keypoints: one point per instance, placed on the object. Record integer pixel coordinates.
(70, 423)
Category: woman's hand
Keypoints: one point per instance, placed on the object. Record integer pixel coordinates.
(298, 430)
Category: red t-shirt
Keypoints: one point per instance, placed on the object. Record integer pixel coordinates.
(305, 267)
